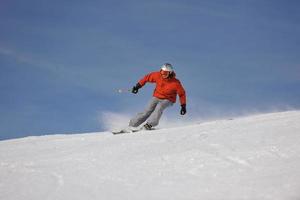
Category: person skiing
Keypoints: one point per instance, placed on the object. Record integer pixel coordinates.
(165, 93)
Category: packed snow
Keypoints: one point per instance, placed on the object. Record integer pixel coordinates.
(252, 158)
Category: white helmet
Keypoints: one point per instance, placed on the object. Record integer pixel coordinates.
(167, 67)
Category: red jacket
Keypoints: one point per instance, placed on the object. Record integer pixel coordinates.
(165, 88)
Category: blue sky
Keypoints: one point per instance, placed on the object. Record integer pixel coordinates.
(61, 62)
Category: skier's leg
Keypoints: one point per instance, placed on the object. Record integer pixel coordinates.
(153, 120)
(141, 117)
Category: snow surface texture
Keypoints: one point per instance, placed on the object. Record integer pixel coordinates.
(255, 158)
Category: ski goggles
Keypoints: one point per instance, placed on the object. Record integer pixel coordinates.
(164, 73)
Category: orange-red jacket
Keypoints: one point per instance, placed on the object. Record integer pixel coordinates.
(165, 88)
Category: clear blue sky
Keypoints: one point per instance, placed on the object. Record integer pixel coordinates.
(62, 61)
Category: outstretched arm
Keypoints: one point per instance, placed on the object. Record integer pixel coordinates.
(147, 78)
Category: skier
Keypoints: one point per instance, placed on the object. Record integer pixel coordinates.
(164, 95)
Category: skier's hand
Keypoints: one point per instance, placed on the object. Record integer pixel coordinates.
(136, 88)
(183, 109)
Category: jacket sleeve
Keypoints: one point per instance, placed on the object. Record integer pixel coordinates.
(148, 78)
(181, 93)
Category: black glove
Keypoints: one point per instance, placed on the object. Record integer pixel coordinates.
(183, 109)
(136, 88)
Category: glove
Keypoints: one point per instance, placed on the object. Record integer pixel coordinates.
(183, 109)
(136, 88)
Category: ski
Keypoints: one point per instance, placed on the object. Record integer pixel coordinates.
(124, 131)
(128, 130)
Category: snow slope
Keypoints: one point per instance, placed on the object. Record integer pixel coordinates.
(255, 158)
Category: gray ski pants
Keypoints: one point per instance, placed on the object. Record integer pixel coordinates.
(152, 112)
